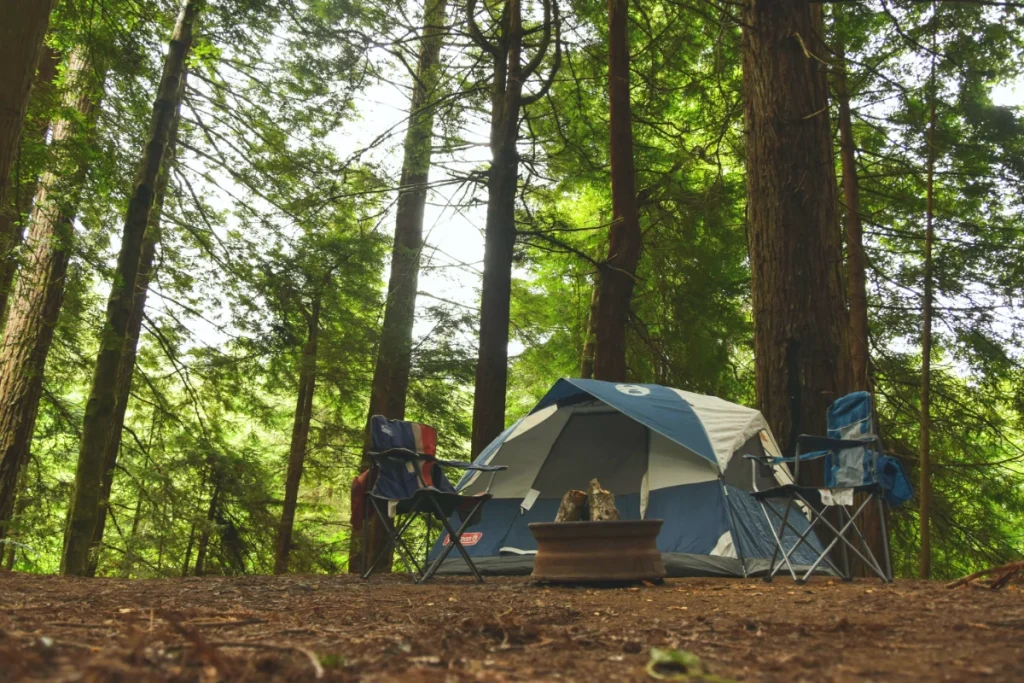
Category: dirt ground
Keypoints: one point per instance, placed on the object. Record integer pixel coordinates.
(340, 628)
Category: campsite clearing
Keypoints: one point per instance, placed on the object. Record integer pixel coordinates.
(261, 628)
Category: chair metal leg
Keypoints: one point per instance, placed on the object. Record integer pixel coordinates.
(772, 567)
(395, 541)
(885, 540)
(454, 540)
(840, 537)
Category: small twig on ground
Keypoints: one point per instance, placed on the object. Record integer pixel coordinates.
(1010, 567)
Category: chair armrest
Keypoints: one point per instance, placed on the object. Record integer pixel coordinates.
(471, 466)
(808, 442)
(397, 453)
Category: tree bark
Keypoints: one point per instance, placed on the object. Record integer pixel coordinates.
(99, 410)
(856, 286)
(394, 356)
(23, 25)
(126, 364)
(587, 362)
(300, 437)
(625, 241)
(13, 217)
(856, 261)
(801, 326)
(926, 345)
(499, 236)
(39, 293)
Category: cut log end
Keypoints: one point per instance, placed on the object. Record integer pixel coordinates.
(571, 508)
(601, 503)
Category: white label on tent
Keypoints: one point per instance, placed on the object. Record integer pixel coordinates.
(529, 500)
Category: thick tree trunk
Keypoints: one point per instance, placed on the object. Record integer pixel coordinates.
(856, 261)
(625, 241)
(801, 326)
(23, 25)
(394, 356)
(926, 346)
(39, 293)
(856, 286)
(126, 365)
(499, 237)
(13, 217)
(99, 410)
(300, 437)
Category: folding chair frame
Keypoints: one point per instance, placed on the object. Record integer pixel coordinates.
(839, 536)
(420, 500)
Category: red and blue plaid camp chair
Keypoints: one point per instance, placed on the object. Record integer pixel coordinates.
(408, 480)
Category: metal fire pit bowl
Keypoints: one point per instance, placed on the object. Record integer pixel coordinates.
(570, 552)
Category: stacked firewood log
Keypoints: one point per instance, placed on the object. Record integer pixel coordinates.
(594, 504)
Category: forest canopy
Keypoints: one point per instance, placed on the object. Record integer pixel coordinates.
(231, 231)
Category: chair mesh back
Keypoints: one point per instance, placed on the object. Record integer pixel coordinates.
(387, 434)
(398, 477)
(850, 417)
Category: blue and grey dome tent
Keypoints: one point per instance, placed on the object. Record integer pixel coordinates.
(665, 454)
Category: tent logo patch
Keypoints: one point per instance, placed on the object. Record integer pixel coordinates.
(470, 538)
(632, 389)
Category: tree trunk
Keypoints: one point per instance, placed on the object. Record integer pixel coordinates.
(394, 356)
(801, 326)
(856, 287)
(587, 362)
(926, 345)
(99, 410)
(625, 241)
(188, 550)
(204, 536)
(14, 216)
(856, 261)
(126, 365)
(499, 236)
(39, 293)
(129, 545)
(23, 25)
(300, 436)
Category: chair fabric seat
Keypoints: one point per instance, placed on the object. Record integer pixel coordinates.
(809, 493)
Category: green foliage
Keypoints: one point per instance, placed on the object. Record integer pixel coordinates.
(265, 214)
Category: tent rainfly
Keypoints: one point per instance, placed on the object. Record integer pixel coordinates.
(665, 453)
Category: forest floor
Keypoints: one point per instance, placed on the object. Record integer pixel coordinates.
(341, 628)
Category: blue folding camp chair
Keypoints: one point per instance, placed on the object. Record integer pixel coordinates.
(854, 463)
(408, 480)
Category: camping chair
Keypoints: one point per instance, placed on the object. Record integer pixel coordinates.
(853, 463)
(408, 480)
